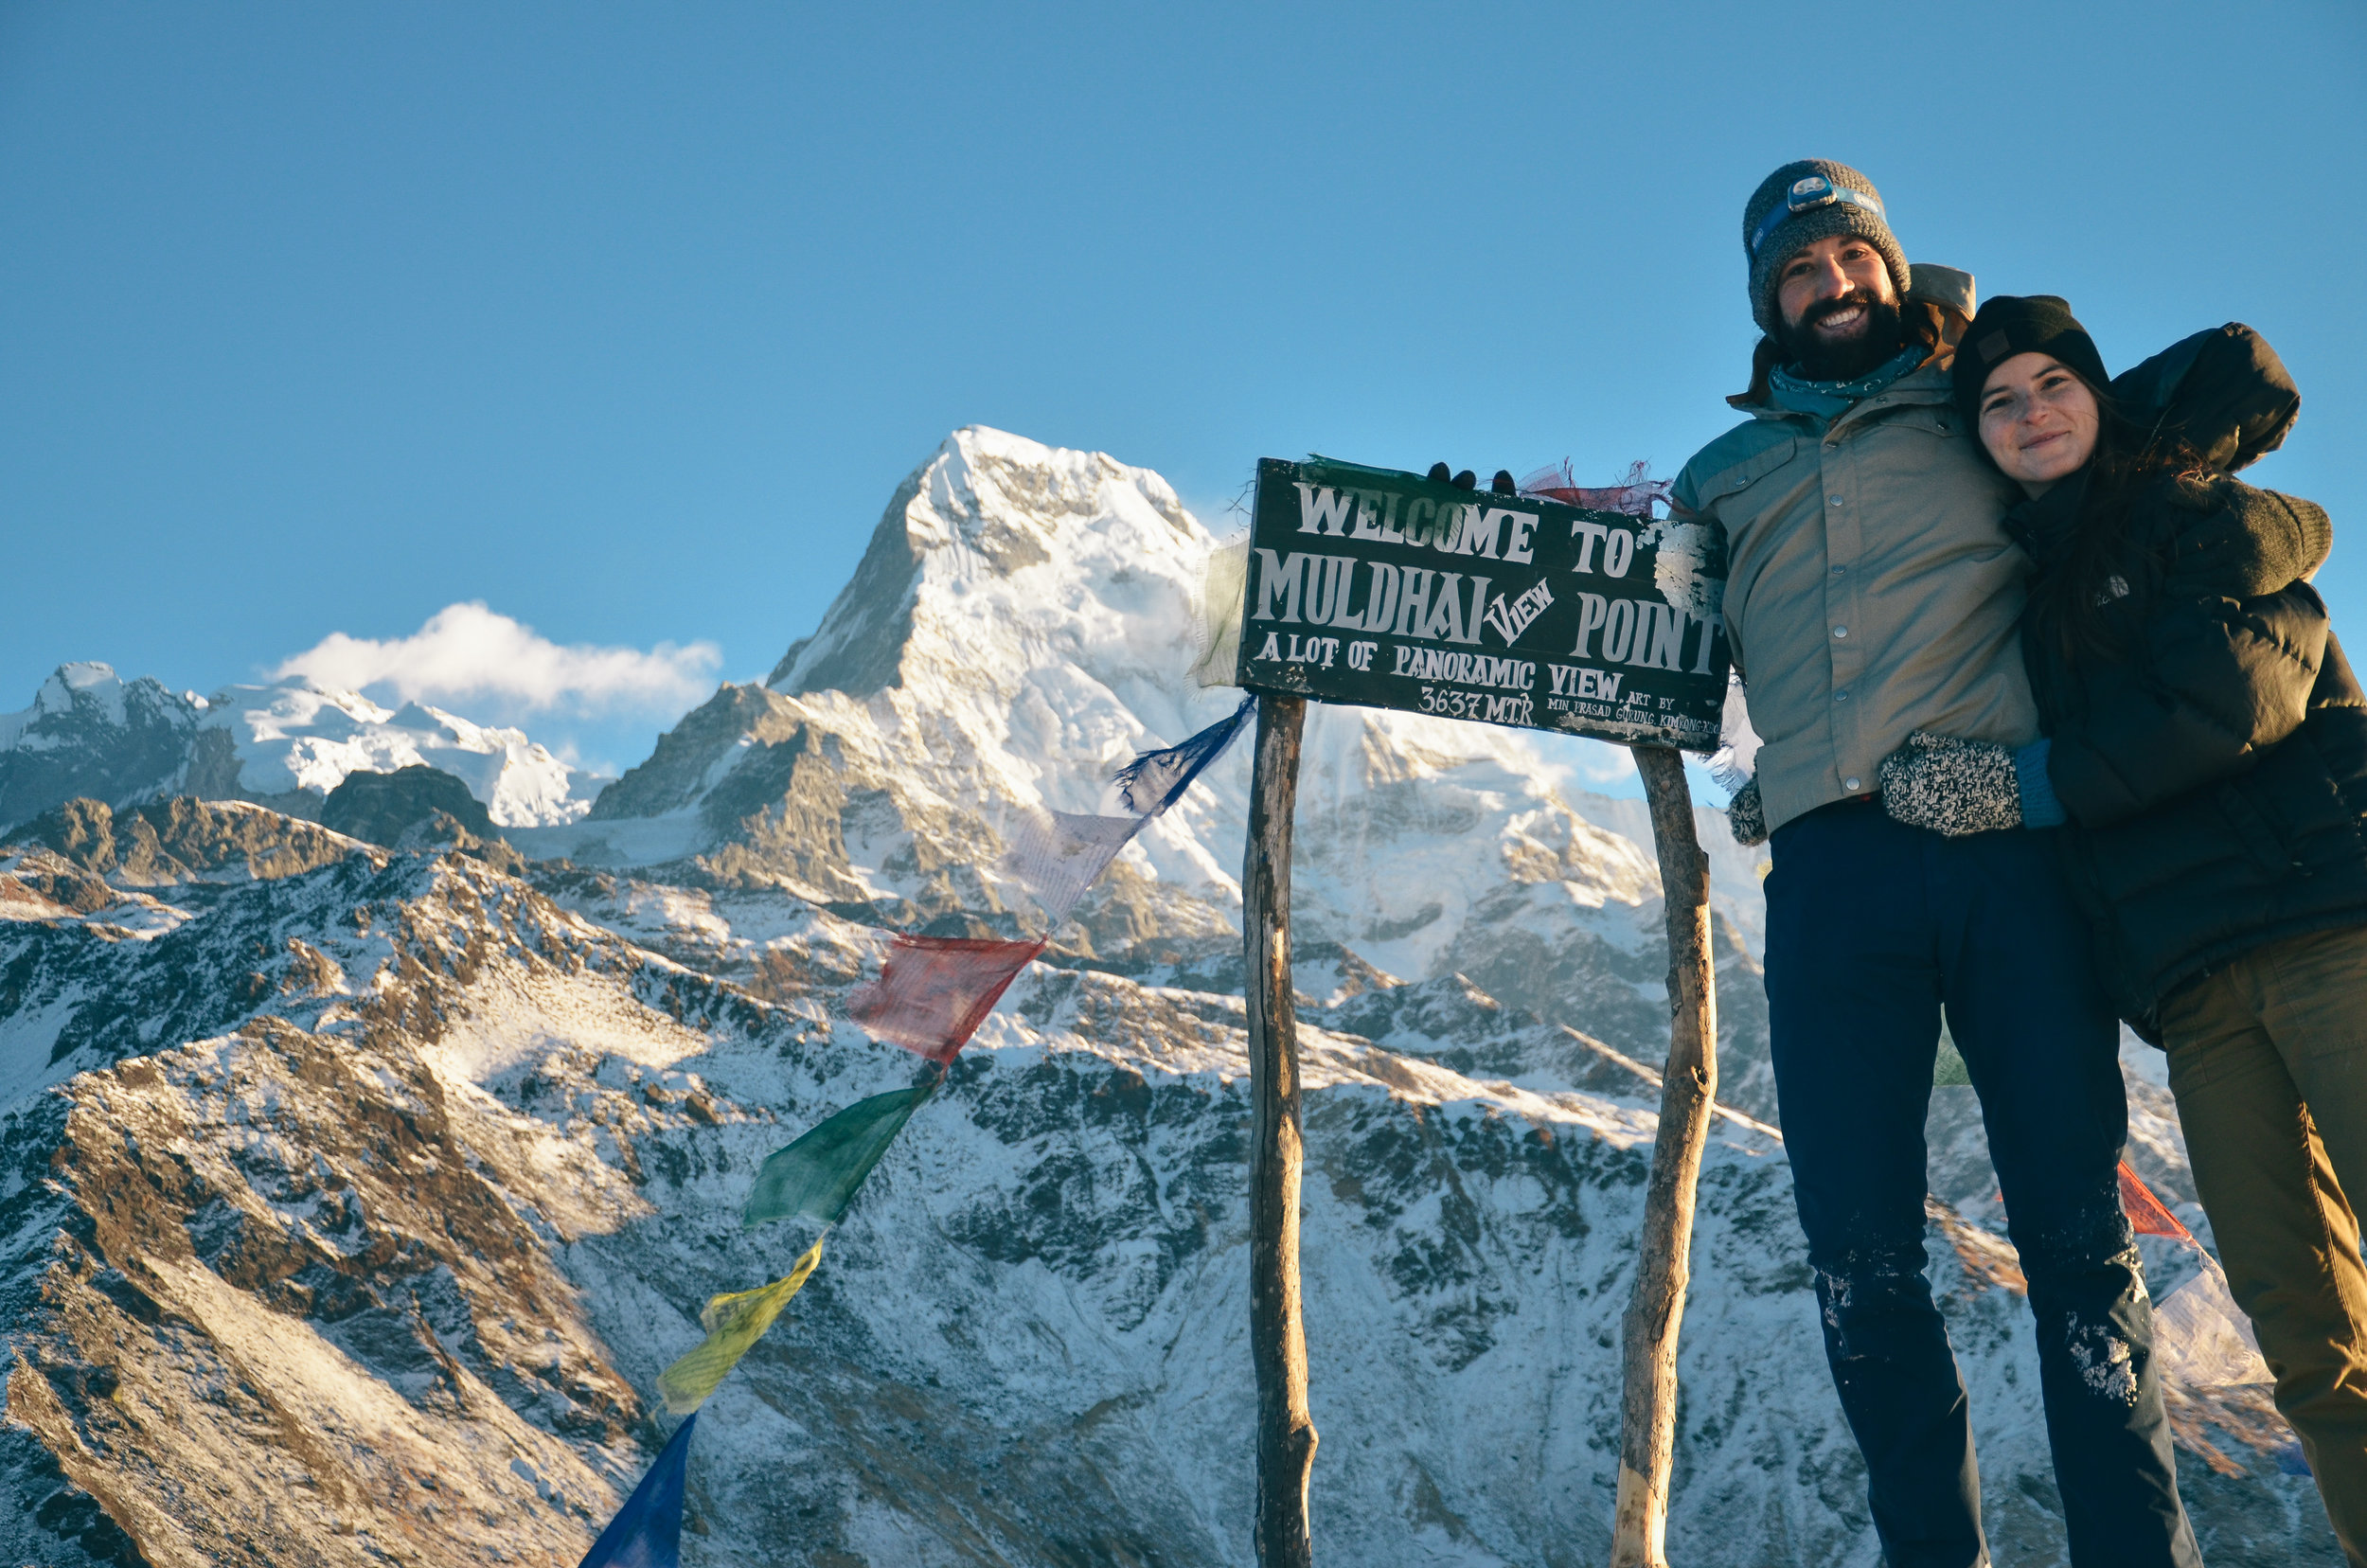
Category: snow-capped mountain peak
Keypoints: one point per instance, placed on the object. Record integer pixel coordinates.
(89, 733)
(294, 736)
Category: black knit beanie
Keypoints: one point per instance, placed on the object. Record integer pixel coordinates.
(1800, 204)
(2021, 324)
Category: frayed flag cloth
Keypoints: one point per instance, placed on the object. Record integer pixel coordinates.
(933, 992)
(1057, 855)
(733, 1324)
(1156, 780)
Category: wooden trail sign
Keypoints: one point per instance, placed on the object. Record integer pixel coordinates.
(1390, 590)
(1385, 589)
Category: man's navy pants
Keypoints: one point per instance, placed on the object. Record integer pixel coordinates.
(1873, 928)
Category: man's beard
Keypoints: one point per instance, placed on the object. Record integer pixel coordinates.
(1822, 360)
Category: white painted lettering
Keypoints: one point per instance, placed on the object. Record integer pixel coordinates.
(1668, 637)
(1342, 615)
(1710, 629)
(1380, 604)
(1591, 609)
(1279, 577)
(1618, 550)
(1421, 516)
(1619, 629)
(1414, 602)
(1480, 531)
(1585, 534)
(1479, 602)
(1323, 589)
(1324, 510)
(1517, 545)
(1445, 621)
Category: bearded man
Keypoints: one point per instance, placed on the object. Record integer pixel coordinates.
(1871, 592)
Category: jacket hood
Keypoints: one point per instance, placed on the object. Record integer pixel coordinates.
(2223, 391)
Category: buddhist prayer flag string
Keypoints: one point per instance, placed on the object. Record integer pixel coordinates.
(2201, 1339)
(1057, 855)
(931, 994)
(2146, 1213)
(1156, 780)
(733, 1323)
(647, 1531)
(819, 1174)
(1634, 496)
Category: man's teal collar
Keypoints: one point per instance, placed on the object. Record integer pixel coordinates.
(1831, 400)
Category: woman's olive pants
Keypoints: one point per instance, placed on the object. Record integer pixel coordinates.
(2268, 1062)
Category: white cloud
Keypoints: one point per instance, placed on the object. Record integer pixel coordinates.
(466, 651)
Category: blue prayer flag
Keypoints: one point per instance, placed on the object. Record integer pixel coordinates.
(647, 1531)
(1156, 780)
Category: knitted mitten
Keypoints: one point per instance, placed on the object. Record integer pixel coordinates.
(1746, 816)
(1952, 787)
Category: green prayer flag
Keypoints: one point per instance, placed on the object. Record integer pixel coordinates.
(818, 1175)
(733, 1323)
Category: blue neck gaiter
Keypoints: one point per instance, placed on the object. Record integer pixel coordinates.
(1830, 400)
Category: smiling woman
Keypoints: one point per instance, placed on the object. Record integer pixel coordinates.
(2203, 760)
(2039, 421)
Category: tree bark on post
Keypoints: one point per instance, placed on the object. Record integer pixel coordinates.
(1688, 1089)
(1277, 1333)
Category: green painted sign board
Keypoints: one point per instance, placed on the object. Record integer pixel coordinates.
(1389, 590)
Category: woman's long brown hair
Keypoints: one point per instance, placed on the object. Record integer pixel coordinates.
(2068, 600)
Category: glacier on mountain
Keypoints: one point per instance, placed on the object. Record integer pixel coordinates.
(355, 1196)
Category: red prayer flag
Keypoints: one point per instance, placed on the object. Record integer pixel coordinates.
(2145, 1210)
(933, 992)
(1634, 497)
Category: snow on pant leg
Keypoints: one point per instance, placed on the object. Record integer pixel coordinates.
(1853, 1005)
(2238, 1039)
(2042, 1047)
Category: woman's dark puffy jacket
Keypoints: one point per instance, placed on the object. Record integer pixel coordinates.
(2213, 765)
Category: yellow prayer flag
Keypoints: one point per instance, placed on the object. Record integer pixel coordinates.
(734, 1323)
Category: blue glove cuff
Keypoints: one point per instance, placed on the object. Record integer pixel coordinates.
(2039, 807)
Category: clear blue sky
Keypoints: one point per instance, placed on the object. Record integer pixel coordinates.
(625, 320)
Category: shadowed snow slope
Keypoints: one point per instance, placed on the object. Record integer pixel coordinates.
(352, 1198)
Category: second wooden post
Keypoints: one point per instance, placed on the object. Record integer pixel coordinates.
(1277, 1331)
(1688, 1088)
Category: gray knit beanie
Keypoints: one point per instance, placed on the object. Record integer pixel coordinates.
(1800, 204)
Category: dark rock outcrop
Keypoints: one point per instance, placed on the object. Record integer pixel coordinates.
(379, 808)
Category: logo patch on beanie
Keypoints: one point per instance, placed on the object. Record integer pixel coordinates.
(1994, 347)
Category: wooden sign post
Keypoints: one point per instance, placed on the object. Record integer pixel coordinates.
(1688, 1086)
(1277, 1333)
(1386, 589)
